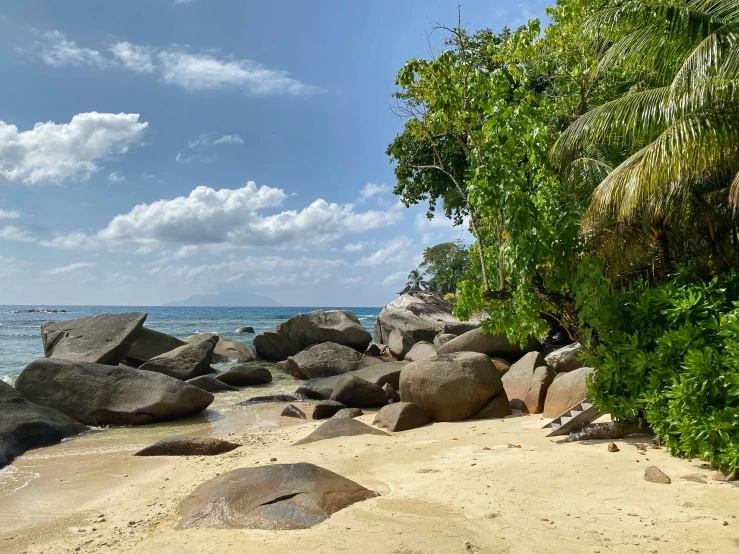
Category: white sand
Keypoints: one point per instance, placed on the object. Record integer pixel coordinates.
(440, 492)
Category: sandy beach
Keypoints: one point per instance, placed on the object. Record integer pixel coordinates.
(444, 488)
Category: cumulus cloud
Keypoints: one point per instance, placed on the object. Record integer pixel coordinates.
(370, 189)
(59, 151)
(71, 267)
(396, 250)
(10, 232)
(394, 278)
(230, 217)
(10, 214)
(115, 177)
(176, 65)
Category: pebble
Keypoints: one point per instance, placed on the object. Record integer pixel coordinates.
(612, 447)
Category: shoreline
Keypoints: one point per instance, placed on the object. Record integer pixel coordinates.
(439, 489)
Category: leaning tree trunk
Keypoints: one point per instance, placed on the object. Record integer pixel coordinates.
(612, 430)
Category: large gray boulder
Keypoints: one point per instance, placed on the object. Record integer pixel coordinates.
(324, 360)
(497, 407)
(24, 425)
(149, 344)
(290, 337)
(102, 339)
(96, 394)
(450, 387)
(420, 316)
(401, 416)
(227, 350)
(342, 427)
(421, 351)
(211, 384)
(566, 390)
(565, 359)
(379, 374)
(526, 383)
(184, 362)
(491, 345)
(399, 344)
(355, 392)
(273, 497)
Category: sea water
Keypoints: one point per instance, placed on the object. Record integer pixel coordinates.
(20, 333)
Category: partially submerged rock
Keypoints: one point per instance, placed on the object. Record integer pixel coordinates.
(211, 384)
(326, 409)
(246, 375)
(102, 339)
(185, 446)
(244, 331)
(273, 497)
(185, 362)
(527, 382)
(401, 416)
(345, 427)
(96, 394)
(293, 411)
(355, 392)
(379, 374)
(450, 387)
(272, 398)
(327, 359)
(149, 344)
(227, 350)
(566, 390)
(565, 359)
(24, 425)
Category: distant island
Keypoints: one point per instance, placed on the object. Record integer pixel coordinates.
(228, 300)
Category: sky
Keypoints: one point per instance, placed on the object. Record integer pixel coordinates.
(155, 149)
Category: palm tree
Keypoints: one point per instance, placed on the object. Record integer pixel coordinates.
(663, 160)
(415, 280)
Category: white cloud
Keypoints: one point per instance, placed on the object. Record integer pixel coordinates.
(178, 2)
(138, 59)
(395, 278)
(176, 65)
(229, 139)
(13, 233)
(396, 250)
(230, 217)
(9, 214)
(10, 267)
(441, 228)
(56, 152)
(370, 189)
(71, 267)
(115, 177)
(355, 246)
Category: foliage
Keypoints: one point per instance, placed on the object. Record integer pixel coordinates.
(416, 280)
(448, 264)
(676, 356)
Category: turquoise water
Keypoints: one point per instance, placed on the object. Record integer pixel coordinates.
(20, 334)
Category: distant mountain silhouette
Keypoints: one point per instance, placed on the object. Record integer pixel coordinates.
(228, 300)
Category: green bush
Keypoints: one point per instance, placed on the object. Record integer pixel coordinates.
(675, 357)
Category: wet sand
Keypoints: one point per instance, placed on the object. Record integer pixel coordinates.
(444, 488)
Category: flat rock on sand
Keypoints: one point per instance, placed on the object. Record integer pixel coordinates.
(185, 446)
(102, 339)
(344, 427)
(274, 497)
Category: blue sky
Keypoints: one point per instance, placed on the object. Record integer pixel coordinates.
(155, 149)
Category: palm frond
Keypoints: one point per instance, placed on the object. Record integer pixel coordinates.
(585, 174)
(734, 192)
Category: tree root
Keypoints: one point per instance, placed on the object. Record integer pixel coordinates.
(612, 430)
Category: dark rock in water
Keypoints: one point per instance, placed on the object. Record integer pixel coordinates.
(102, 339)
(227, 350)
(497, 407)
(391, 393)
(355, 392)
(293, 411)
(272, 398)
(273, 497)
(185, 362)
(401, 416)
(40, 311)
(245, 375)
(348, 412)
(24, 425)
(326, 408)
(379, 374)
(184, 446)
(450, 387)
(97, 394)
(150, 344)
(327, 359)
(290, 337)
(244, 331)
(344, 427)
(211, 384)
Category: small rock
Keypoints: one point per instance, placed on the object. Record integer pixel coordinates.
(612, 447)
(273, 459)
(653, 474)
(293, 411)
(326, 408)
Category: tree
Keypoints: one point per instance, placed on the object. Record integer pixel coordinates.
(448, 264)
(415, 280)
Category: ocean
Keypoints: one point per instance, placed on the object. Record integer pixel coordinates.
(20, 333)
